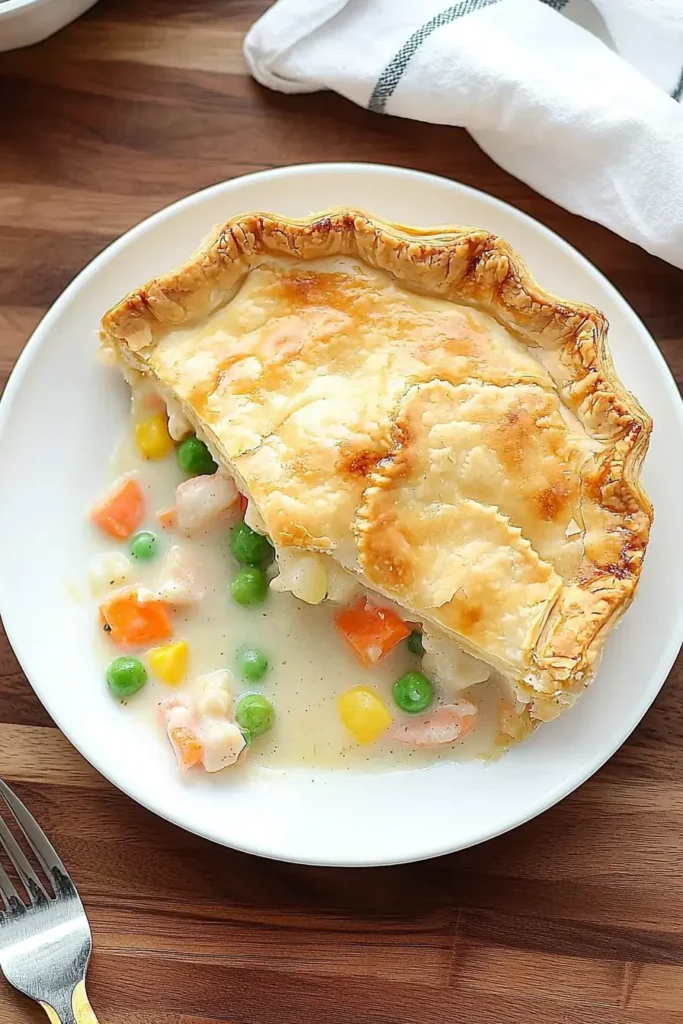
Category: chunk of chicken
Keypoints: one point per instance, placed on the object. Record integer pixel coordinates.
(214, 695)
(204, 502)
(446, 663)
(222, 739)
(179, 578)
(216, 742)
(182, 731)
(446, 724)
(223, 744)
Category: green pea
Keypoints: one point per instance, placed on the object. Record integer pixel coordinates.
(143, 545)
(195, 458)
(126, 676)
(413, 692)
(253, 664)
(249, 586)
(250, 547)
(414, 642)
(254, 714)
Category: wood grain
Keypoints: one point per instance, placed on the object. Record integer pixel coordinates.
(576, 917)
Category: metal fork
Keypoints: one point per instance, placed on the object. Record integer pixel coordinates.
(45, 939)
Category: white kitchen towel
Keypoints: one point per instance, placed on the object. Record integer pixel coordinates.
(581, 99)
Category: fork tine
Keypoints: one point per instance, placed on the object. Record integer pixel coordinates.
(35, 837)
(22, 867)
(8, 891)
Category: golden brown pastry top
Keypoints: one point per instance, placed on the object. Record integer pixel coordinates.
(414, 404)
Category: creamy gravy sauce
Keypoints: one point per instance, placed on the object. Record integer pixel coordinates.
(310, 663)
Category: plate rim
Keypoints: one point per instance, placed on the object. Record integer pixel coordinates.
(32, 348)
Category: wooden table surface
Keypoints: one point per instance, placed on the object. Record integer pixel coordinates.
(577, 916)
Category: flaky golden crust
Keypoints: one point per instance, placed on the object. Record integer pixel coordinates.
(471, 267)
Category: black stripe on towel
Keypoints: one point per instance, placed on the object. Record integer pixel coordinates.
(678, 91)
(393, 72)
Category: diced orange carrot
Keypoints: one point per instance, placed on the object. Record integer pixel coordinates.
(120, 513)
(242, 503)
(188, 749)
(167, 518)
(372, 631)
(130, 622)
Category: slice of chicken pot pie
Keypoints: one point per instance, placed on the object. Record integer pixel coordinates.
(407, 406)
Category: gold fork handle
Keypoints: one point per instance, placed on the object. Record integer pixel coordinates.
(81, 1010)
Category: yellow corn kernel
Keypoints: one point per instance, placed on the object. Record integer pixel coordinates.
(152, 437)
(363, 713)
(169, 662)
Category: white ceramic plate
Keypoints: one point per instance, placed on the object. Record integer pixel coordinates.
(25, 22)
(59, 420)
